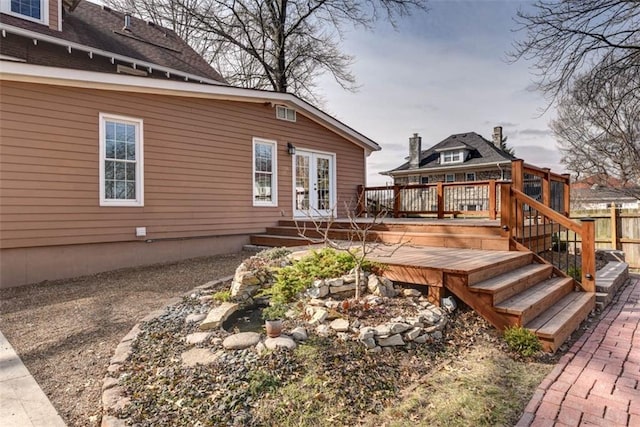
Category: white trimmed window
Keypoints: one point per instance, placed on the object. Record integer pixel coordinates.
(121, 161)
(265, 173)
(284, 113)
(450, 177)
(32, 10)
(447, 157)
(470, 176)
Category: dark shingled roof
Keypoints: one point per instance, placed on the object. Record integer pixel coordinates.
(91, 25)
(481, 152)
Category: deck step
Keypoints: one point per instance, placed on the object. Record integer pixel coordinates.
(556, 324)
(278, 241)
(513, 282)
(530, 303)
(443, 240)
(436, 226)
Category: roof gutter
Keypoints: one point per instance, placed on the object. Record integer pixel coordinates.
(29, 73)
(4, 28)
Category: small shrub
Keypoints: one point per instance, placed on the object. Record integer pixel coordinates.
(222, 296)
(274, 312)
(261, 382)
(295, 278)
(522, 341)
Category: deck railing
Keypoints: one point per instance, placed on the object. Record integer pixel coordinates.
(533, 209)
(473, 199)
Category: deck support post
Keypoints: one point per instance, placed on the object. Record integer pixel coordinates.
(546, 187)
(435, 295)
(588, 255)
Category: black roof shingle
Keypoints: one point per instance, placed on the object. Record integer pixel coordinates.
(481, 151)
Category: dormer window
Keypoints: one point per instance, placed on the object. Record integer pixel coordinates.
(32, 10)
(449, 157)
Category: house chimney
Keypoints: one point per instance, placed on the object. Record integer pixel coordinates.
(415, 151)
(127, 22)
(497, 136)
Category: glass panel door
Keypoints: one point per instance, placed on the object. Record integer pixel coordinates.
(314, 187)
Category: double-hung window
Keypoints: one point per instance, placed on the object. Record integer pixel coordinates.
(32, 10)
(265, 179)
(121, 161)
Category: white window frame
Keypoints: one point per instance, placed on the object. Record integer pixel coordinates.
(139, 201)
(285, 113)
(274, 173)
(44, 7)
(447, 175)
(467, 174)
(454, 157)
(424, 180)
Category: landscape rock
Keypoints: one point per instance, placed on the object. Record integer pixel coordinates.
(340, 325)
(218, 315)
(198, 356)
(421, 339)
(411, 293)
(299, 334)
(241, 340)
(282, 341)
(197, 338)
(437, 335)
(338, 289)
(398, 328)
(195, 317)
(369, 342)
(319, 292)
(393, 340)
(413, 334)
(366, 333)
(245, 282)
(113, 399)
(382, 330)
(323, 331)
(318, 317)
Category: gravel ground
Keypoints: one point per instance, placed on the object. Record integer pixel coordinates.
(65, 331)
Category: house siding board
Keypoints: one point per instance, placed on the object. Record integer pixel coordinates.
(197, 163)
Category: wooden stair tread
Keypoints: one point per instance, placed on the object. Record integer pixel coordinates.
(558, 317)
(524, 301)
(505, 280)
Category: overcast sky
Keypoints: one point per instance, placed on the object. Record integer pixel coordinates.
(443, 72)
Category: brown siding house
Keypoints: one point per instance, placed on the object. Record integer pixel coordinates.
(102, 170)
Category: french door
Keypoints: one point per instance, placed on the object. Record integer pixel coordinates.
(314, 193)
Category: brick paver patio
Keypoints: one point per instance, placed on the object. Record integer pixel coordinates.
(598, 381)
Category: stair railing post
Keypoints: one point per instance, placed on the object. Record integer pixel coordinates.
(614, 227)
(440, 190)
(588, 255)
(492, 199)
(506, 220)
(546, 187)
(566, 192)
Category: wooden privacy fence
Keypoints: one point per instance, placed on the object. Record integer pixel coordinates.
(618, 229)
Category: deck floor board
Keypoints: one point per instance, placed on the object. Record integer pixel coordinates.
(448, 260)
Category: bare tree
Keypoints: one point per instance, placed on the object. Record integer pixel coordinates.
(280, 45)
(359, 242)
(600, 135)
(593, 40)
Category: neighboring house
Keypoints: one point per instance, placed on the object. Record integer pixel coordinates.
(459, 157)
(119, 146)
(601, 192)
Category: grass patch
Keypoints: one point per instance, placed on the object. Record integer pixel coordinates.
(484, 387)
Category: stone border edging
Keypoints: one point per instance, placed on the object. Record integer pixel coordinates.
(112, 398)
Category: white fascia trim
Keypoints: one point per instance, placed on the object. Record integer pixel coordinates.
(59, 15)
(106, 81)
(95, 51)
(448, 169)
